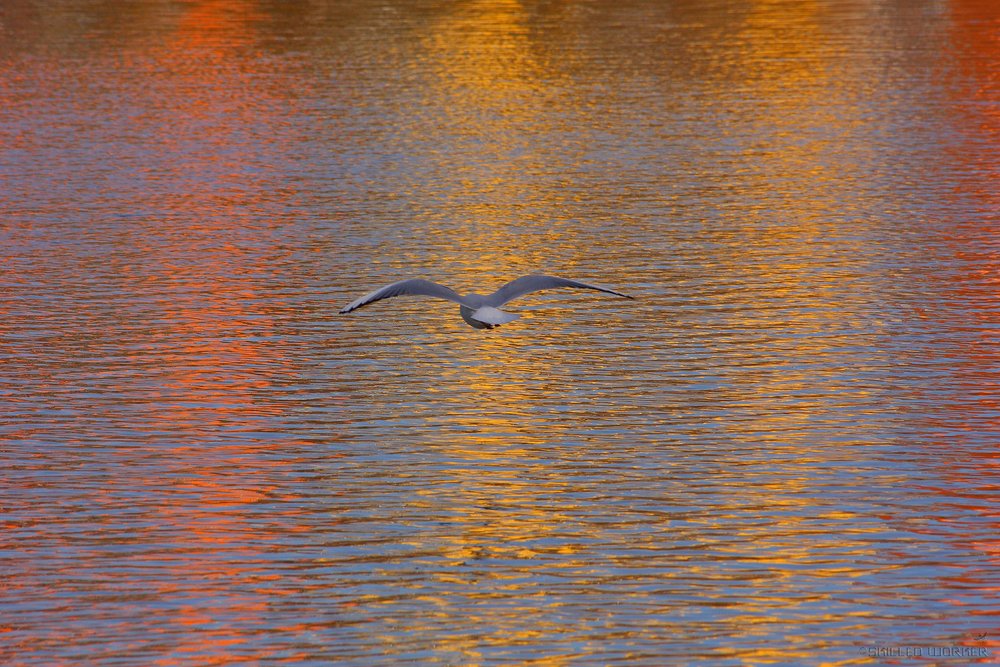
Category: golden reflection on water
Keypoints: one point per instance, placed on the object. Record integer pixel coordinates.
(784, 253)
(484, 81)
(482, 72)
(484, 64)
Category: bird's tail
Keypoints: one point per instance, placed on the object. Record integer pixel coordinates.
(494, 316)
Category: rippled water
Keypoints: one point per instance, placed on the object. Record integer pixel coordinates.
(783, 451)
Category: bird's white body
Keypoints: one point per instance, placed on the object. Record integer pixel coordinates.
(481, 312)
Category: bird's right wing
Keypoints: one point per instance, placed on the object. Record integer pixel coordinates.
(412, 287)
(535, 282)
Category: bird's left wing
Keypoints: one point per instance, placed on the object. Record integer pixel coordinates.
(412, 287)
(533, 283)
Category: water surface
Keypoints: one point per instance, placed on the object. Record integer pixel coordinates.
(783, 451)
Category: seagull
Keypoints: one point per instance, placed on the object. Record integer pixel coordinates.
(481, 312)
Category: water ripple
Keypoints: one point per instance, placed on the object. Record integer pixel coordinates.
(782, 451)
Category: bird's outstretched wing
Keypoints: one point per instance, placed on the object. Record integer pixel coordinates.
(412, 287)
(534, 283)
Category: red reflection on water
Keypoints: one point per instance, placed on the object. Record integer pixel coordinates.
(219, 25)
(970, 308)
(975, 43)
(213, 374)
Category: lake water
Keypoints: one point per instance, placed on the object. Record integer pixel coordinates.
(783, 451)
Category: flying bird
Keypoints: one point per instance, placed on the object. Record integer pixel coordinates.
(481, 312)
